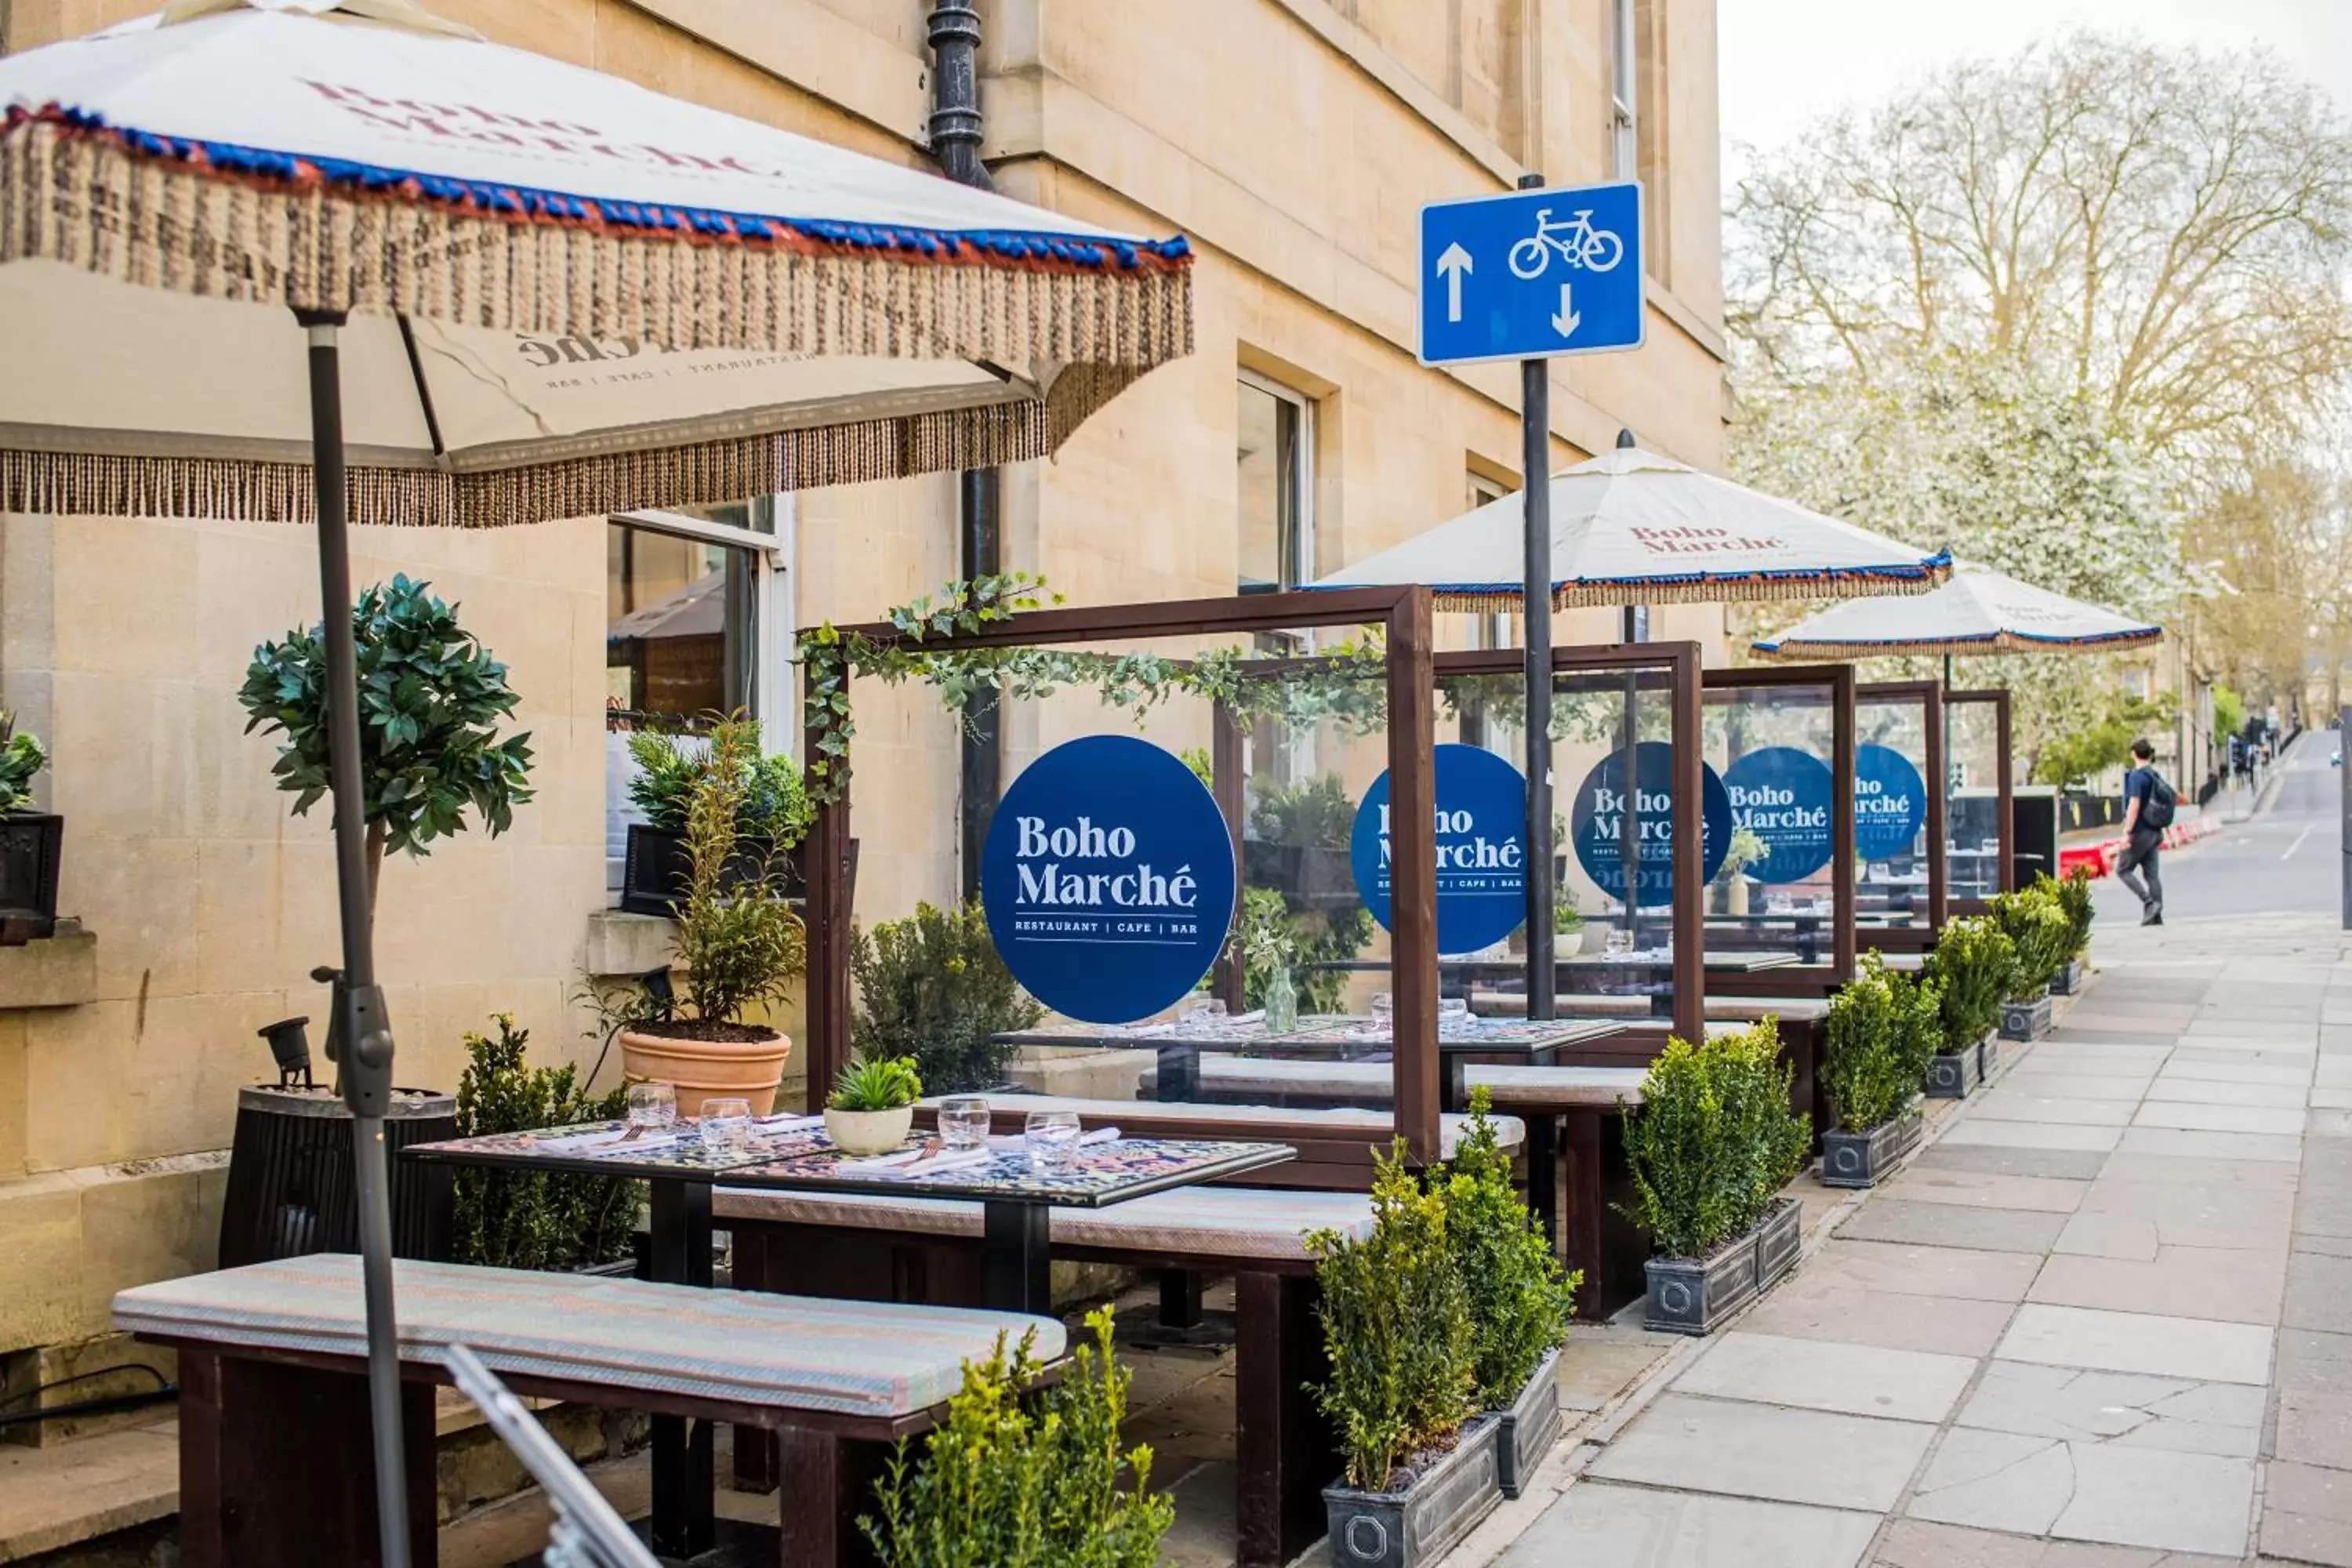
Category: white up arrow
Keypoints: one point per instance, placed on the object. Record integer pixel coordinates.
(1454, 261)
(1567, 321)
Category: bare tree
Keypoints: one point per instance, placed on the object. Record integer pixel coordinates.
(2165, 232)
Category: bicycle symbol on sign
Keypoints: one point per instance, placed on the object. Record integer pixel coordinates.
(1579, 244)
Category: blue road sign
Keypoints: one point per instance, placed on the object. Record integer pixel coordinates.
(1532, 274)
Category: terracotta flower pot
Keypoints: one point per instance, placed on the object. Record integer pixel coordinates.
(708, 1070)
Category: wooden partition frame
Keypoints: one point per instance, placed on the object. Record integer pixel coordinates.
(1403, 614)
(1839, 680)
(1930, 698)
(1680, 660)
(2004, 760)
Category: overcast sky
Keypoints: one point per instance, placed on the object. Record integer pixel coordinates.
(1786, 62)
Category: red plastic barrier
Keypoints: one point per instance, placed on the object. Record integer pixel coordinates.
(2101, 857)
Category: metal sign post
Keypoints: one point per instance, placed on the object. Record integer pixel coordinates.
(1532, 275)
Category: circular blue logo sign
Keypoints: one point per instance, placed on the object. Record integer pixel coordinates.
(1890, 802)
(1482, 858)
(1107, 879)
(1782, 795)
(1597, 823)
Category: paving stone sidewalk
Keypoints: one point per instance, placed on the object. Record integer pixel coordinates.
(2103, 1320)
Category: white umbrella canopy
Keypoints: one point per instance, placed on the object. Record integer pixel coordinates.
(1978, 611)
(568, 294)
(1633, 527)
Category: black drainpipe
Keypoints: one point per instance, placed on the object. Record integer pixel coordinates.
(955, 132)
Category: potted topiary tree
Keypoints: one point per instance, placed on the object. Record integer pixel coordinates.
(1402, 1395)
(740, 947)
(1882, 1033)
(31, 842)
(872, 1106)
(1971, 967)
(774, 820)
(431, 699)
(1519, 1298)
(1710, 1150)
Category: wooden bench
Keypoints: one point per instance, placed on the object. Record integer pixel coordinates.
(275, 1464)
(894, 1248)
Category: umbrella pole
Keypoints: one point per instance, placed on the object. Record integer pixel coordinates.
(1535, 460)
(362, 1031)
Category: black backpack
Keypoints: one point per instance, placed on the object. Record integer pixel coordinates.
(2156, 811)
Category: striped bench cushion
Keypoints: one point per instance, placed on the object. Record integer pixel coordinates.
(1374, 1126)
(1787, 1009)
(1509, 1085)
(1531, 1087)
(1205, 1222)
(788, 1352)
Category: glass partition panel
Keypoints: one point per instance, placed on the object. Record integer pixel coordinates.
(1773, 901)
(1895, 883)
(1614, 869)
(1976, 818)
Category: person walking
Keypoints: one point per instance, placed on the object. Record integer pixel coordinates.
(2148, 803)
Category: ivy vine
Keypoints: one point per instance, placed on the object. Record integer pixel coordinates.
(1346, 683)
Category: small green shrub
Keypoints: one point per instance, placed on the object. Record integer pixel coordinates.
(21, 757)
(1037, 1484)
(1396, 1329)
(1715, 1141)
(2037, 926)
(740, 945)
(1972, 968)
(1519, 1299)
(1883, 1031)
(773, 806)
(2072, 892)
(1315, 813)
(877, 1083)
(514, 1220)
(933, 988)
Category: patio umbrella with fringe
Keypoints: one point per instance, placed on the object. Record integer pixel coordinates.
(1630, 527)
(493, 288)
(1978, 612)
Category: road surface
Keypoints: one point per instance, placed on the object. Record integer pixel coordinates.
(2285, 861)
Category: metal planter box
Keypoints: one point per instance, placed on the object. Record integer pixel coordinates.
(2068, 981)
(1528, 1426)
(1419, 1525)
(653, 876)
(31, 843)
(1861, 1159)
(1952, 1074)
(1987, 1057)
(1779, 1236)
(1692, 1295)
(2026, 1020)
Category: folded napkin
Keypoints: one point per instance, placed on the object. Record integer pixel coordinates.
(783, 1121)
(915, 1162)
(1018, 1142)
(608, 1143)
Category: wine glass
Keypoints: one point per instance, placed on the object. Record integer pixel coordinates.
(1621, 942)
(1052, 1136)
(964, 1123)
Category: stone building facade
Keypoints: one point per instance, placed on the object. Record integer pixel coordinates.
(1292, 141)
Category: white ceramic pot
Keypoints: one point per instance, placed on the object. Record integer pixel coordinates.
(863, 1133)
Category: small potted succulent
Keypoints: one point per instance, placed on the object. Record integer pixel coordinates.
(30, 841)
(1971, 968)
(1519, 1298)
(1710, 1150)
(1882, 1033)
(1402, 1395)
(872, 1106)
(739, 948)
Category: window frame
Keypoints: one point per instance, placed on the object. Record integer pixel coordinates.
(1624, 101)
(775, 694)
(1295, 565)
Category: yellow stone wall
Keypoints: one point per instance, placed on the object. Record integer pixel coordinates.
(1292, 140)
